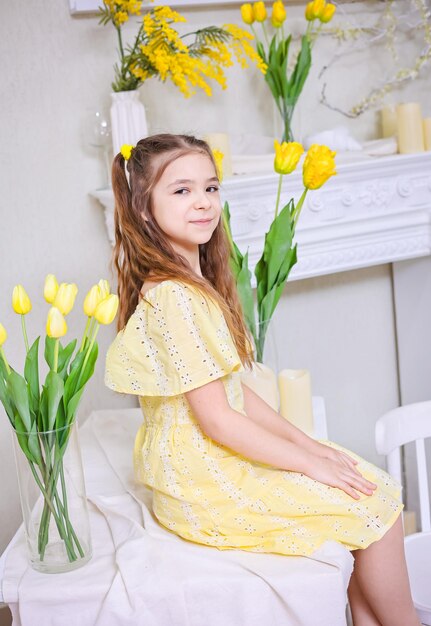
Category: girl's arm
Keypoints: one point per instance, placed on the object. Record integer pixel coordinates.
(230, 428)
(261, 413)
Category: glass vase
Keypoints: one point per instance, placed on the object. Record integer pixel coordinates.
(53, 498)
(262, 378)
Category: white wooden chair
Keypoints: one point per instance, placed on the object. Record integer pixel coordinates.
(393, 430)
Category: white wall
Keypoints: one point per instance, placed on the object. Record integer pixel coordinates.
(55, 70)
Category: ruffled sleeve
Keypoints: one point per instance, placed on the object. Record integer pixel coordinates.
(174, 342)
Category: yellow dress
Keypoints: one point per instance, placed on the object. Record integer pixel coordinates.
(178, 340)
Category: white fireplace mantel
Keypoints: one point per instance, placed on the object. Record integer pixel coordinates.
(374, 211)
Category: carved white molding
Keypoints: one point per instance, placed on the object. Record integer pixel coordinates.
(374, 211)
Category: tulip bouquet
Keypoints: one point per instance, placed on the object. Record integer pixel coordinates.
(279, 252)
(42, 418)
(286, 84)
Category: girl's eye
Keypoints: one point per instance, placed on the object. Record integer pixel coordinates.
(213, 188)
(181, 191)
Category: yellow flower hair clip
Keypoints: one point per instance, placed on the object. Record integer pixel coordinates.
(126, 150)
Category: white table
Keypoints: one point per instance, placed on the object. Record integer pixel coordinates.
(141, 573)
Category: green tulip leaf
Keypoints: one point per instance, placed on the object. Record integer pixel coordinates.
(64, 357)
(49, 351)
(301, 70)
(245, 293)
(17, 388)
(6, 401)
(43, 411)
(72, 379)
(34, 445)
(73, 405)
(88, 370)
(22, 436)
(54, 386)
(31, 373)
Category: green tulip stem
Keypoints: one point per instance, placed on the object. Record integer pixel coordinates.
(87, 326)
(24, 332)
(56, 346)
(280, 182)
(264, 34)
(5, 360)
(298, 208)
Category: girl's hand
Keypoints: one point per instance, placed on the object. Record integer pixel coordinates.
(339, 473)
(337, 455)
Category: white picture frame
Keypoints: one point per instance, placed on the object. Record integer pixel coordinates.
(92, 6)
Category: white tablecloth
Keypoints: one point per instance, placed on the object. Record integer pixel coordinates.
(143, 575)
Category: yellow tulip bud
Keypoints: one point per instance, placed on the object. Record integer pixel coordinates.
(3, 334)
(278, 14)
(92, 299)
(309, 12)
(259, 11)
(327, 13)
(287, 156)
(20, 301)
(65, 298)
(318, 8)
(319, 165)
(55, 324)
(247, 13)
(107, 309)
(50, 289)
(218, 158)
(104, 287)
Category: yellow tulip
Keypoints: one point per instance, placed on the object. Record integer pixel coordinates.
(218, 158)
(92, 299)
(20, 301)
(50, 288)
(318, 8)
(247, 13)
(319, 165)
(327, 13)
(3, 334)
(278, 14)
(107, 309)
(309, 12)
(259, 11)
(287, 156)
(105, 288)
(55, 324)
(65, 298)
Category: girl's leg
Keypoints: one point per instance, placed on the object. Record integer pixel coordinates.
(382, 576)
(362, 613)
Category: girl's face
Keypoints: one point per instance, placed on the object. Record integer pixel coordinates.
(186, 202)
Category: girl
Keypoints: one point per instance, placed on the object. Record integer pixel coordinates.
(225, 469)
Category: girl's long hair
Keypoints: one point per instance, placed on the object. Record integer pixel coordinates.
(142, 250)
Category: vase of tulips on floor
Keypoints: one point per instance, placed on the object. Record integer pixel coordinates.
(285, 79)
(278, 257)
(44, 428)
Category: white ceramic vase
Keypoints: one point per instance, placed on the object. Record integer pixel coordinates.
(128, 119)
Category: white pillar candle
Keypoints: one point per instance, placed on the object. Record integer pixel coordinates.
(388, 119)
(262, 380)
(295, 399)
(410, 128)
(220, 141)
(427, 133)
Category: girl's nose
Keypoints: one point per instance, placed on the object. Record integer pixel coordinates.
(203, 201)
